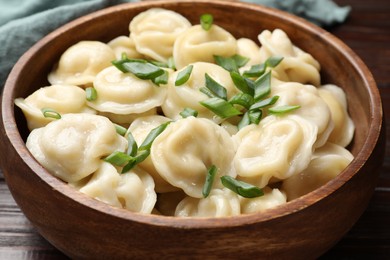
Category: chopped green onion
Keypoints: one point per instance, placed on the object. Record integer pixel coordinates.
(262, 86)
(241, 188)
(140, 157)
(282, 109)
(245, 120)
(118, 158)
(241, 61)
(211, 172)
(216, 88)
(188, 112)
(273, 61)
(241, 83)
(264, 103)
(255, 116)
(206, 21)
(221, 107)
(120, 129)
(159, 64)
(255, 71)
(132, 146)
(147, 143)
(162, 79)
(91, 93)
(228, 63)
(242, 99)
(140, 68)
(183, 75)
(50, 113)
(171, 63)
(207, 92)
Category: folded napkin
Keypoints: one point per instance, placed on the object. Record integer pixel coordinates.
(24, 22)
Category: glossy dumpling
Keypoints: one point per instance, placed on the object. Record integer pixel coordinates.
(187, 148)
(197, 44)
(124, 93)
(80, 63)
(249, 49)
(71, 148)
(124, 45)
(278, 147)
(297, 65)
(344, 127)
(61, 98)
(328, 161)
(219, 203)
(271, 198)
(140, 128)
(189, 95)
(155, 31)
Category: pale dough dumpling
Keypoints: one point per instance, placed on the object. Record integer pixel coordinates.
(71, 148)
(124, 93)
(197, 44)
(276, 148)
(124, 45)
(249, 49)
(189, 95)
(328, 161)
(187, 148)
(155, 31)
(270, 199)
(219, 203)
(296, 66)
(61, 98)
(81, 62)
(344, 127)
(140, 128)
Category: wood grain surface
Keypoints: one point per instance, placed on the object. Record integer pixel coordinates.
(367, 32)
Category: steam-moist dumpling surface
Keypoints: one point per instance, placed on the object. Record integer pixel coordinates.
(61, 98)
(189, 94)
(81, 62)
(124, 45)
(328, 161)
(155, 31)
(297, 65)
(187, 149)
(219, 203)
(249, 49)
(344, 127)
(276, 148)
(124, 93)
(72, 147)
(197, 44)
(271, 198)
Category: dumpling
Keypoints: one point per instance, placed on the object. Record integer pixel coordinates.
(189, 95)
(278, 147)
(61, 98)
(312, 107)
(126, 120)
(133, 190)
(219, 203)
(155, 31)
(296, 66)
(71, 148)
(81, 62)
(249, 49)
(328, 161)
(197, 44)
(124, 45)
(271, 198)
(187, 148)
(140, 128)
(124, 93)
(344, 127)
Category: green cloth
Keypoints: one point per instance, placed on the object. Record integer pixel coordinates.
(24, 22)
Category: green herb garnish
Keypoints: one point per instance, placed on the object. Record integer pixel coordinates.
(147, 143)
(50, 113)
(120, 129)
(211, 172)
(91, 93)
(282, 109)
(183, 75)
(140, 68)
(241, 188)
(217, 89)
(206, 21)
(188, 112)
(220, 107)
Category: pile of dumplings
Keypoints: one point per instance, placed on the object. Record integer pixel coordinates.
(287, 156)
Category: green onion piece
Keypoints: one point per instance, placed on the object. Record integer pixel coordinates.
(241, 61)
(241, 83)
(162, 79)
(273, 61)
(147, 143)
(50, 113)
(171, 63)
(188, 112)
(140, 68)
(221, 107)
(242, 99)
(130, 165)
(282, 109)
(207, 92)
(118, 158)
(120, 129)
(264, 103)
(255, 71)
(211, 172)
(245, 120)
(263, 86)
(216, 88)
(241, 188)
(183, 75)
(206, 21)
(159, 64)
(91, 93)
(228, 63)
(141, 156)
(255, 116)
(132, 146)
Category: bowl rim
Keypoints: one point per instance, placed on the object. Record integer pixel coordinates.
(375, 125)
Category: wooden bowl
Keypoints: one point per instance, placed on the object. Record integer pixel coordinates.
(82, 227)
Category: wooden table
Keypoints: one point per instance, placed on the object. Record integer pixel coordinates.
(367, 32)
